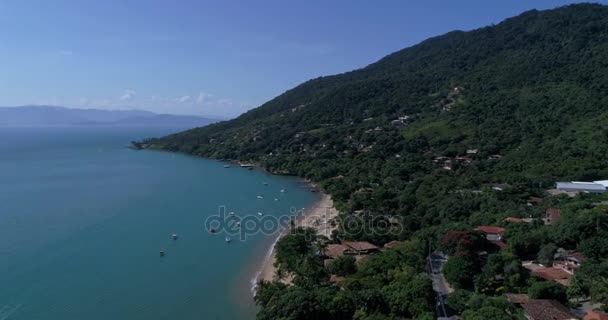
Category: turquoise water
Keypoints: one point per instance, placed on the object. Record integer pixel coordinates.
(83, 218)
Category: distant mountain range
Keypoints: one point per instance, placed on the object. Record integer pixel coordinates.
(62, 116)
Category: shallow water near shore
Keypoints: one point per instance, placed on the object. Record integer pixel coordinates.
(83, 219)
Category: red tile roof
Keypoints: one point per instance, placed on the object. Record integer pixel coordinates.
(491, 230)
(592, 315)
(553, 214)
(547, 310)
(551, 274)
(535, 200)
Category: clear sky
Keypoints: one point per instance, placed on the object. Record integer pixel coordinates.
(209, 57)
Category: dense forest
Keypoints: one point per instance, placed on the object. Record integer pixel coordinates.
(425, 134)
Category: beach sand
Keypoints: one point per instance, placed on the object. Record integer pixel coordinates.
(318, 217)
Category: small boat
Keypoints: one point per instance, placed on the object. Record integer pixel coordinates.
(228, 239)
(260, 197)
(260, 214)
(174, 236)
(231, 213)
(282, 190)
(162, 253)
(238, 223)
(211, 230)
(227, 166)
(265, 183)
(276, 199)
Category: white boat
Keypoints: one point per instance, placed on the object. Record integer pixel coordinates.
(231, 213)
(174, 236)
(227, 166)
(260, 197)
(276, 199)
(228, 239)
(265, 183)
(238, 223)
(282, 190)
(260, 214)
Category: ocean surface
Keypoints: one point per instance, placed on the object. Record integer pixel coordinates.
(83, 219)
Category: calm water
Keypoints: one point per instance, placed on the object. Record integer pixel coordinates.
(82, 220)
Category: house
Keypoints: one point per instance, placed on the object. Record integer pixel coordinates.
(593, 315)
(335, 250)
(492, 233)
(535, 201)
(552, 215)
(540, 309)
(518, 220)
(360, 247)
(569, 262)
(472, 151)
(393, 244)
(553, 274)
(579, 186)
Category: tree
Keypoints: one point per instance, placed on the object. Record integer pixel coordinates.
(460, 271)
(546, 254)
(548, 290)
(343, 266)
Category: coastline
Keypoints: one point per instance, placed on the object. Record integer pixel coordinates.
(318, 217)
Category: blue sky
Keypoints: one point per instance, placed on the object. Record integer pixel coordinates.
(209, 57)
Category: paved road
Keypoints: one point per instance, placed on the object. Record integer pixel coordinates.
(435, 263)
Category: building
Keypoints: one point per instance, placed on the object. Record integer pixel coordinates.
(593, 315)
(577, 186)
(546, 310)
(393, 244)
(553, 274)
(518, 220)
(569, 262)
(552, 215)
(492, 233)
(335, 250)
(360, 247)
(535, 201)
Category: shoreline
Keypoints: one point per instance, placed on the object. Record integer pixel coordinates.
(318, 217)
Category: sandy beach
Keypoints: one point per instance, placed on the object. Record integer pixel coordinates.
(318, 217)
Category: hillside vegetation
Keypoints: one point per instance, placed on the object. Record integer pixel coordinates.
(424, 134)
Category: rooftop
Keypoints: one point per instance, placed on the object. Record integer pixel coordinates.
(551, 274)
(490, 229)
(359, 245)
(335, 250)
(547, 310)
(593, 315)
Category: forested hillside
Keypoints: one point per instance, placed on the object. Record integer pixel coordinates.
(426, 132)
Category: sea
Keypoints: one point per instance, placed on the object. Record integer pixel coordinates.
(83, 220)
